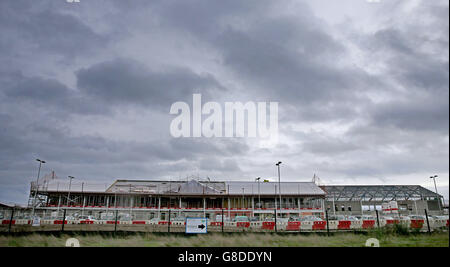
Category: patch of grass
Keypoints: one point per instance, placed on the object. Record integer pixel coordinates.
(395, 238)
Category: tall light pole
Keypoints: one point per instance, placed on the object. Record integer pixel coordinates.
(279, 181)
(37, 185)
(259, 192)
(70, 185)
(435, 188)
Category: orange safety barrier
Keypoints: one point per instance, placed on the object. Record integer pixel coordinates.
(268, 225)
(417, 224)
(344, 225)
(243, 224)
(138, 222)
(293, 226)
(368, 224)
(319, 225)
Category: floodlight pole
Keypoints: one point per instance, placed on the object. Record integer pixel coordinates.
(37, 185)
(279, 181)
(435, 188)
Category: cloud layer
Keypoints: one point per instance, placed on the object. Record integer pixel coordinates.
(363, 89)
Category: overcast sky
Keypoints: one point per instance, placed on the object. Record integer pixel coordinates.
(363, 89)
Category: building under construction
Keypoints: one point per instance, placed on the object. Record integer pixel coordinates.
(153, 199)
(357, 199)
(147, 199)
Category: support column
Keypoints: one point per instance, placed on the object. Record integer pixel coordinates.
(229, 212)
(159, 208)
(204, 207)
(299, 208)
(253, 206)
(323, 206)
(107, 205)
(84, 204)
(131, 206)
(362, 211)
(59, 203)
(334, 207)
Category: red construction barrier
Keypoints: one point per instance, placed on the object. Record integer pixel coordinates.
(392, 221)
(164, 222)
(138, 222)
(344, 225)
(7, 222)
(447, 223)
(59, 222)
(268, 225)
(243, 224)
(368, 224)
(112, 222)
(216, 223)
(86, 222)
(293, 226)
(417, 224)
(319, 225)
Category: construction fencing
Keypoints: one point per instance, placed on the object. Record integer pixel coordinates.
(114, 220)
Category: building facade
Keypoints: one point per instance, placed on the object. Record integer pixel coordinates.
(357, 199)
(154, 199)
(147, 199)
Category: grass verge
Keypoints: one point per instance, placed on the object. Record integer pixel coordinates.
(227, 240)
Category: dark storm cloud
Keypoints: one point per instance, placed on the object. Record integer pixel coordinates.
(287, 58)
(419, 115)
(50, 94)
(130, 82)
(72, 91)
(43, 27)
(415, 56)
(103, 85)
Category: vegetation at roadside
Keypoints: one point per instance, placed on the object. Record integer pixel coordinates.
(388, 238)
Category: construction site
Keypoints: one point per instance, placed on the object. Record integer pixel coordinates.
(161, 206)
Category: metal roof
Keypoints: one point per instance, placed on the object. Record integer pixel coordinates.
(63, 186)
(377, 192)
(191, 187)
(196, 187)
(271, 188)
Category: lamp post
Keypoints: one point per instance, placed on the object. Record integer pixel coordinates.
(70, 184)
(37, 185)
(279, 182)
(259, 192)
(435, 188)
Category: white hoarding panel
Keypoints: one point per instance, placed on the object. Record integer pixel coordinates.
(196, 225)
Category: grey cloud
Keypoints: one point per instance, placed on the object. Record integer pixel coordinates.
(62, 74)
(214, 164)
(419, 115)
(51, 94)
(45, 28)
(130, 82)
